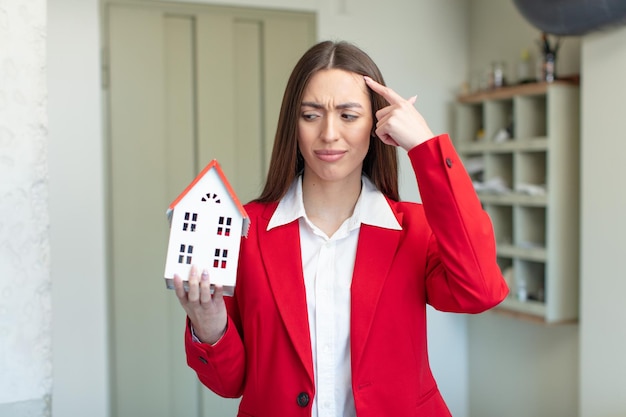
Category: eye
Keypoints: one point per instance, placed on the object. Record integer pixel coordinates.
(349, 117)
(309, 116)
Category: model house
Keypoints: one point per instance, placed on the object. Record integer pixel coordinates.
(207, 221)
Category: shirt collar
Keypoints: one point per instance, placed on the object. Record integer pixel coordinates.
(371, 208)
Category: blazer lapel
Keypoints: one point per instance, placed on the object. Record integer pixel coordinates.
(280, 251)
(375, 253)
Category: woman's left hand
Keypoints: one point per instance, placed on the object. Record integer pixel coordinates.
(399, 124)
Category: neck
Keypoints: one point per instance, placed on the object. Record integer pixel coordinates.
(328, 205)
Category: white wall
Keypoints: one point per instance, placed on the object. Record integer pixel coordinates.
(77, 218)
(420, 47)
(397, 34)
(603, 233)
(518, 368)
(25, 324)
(521, 369)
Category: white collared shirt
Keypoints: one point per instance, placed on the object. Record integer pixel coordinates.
(328, 264)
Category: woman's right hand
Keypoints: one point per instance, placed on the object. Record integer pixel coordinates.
(206, 311)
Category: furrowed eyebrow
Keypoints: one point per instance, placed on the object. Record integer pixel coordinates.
(349, 105)
(311, 104)
(339, 106)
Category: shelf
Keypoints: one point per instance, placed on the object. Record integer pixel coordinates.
(513, 198)
(531, 144)
(529, 307)
(504, 93)
(529, 254)
(520, 145)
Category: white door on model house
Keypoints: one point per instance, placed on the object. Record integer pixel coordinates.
(186, 83)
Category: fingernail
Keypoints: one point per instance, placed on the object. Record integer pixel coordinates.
(205, 275)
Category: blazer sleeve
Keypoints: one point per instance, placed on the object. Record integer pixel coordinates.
(220, 367)
(462, 274)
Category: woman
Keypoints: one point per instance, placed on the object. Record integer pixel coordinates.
(329, 312)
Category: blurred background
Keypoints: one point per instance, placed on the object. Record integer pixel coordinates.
(109, 108)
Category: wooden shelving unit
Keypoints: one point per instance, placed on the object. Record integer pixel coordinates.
(521, 147)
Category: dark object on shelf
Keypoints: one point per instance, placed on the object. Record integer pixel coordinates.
(548, 54)
(572, 17)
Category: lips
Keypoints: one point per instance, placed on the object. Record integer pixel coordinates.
(329, 155)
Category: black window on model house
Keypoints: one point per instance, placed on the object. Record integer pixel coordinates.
(220, 257)
(223, 225)
(185, 254)
(191, 219)
(211, 197)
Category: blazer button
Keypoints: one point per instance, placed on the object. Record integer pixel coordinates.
(449, 162)
(204, 361)
(303, 399)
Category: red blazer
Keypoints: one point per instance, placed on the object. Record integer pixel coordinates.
(444, 256)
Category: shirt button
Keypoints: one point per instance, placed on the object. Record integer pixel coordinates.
(449, 162)
(303, 399)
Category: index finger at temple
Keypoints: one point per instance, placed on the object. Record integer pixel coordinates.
(391, 96)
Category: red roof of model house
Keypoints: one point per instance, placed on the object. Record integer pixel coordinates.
(214, 165)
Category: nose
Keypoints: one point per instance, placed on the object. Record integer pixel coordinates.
(330, 131)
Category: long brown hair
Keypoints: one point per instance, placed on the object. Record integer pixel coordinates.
(380, 163)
